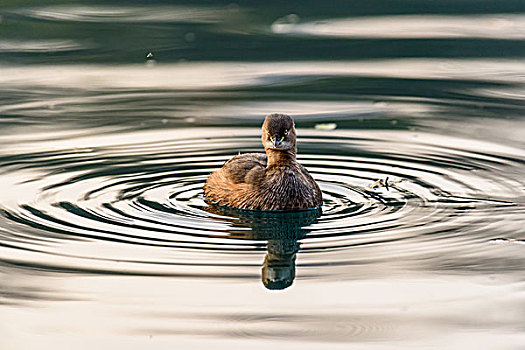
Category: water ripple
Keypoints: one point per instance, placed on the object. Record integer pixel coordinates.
(41, 46)
(139, 208)
(510, 27)
(126, 14)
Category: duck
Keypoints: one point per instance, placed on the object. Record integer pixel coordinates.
(270, 181)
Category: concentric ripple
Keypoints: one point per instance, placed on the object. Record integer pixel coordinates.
(138, 208)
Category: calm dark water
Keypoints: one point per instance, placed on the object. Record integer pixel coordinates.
(106, 240)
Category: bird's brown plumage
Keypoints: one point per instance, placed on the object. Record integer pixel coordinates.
(271, 181)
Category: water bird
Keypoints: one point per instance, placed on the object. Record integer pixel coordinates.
(270, 181)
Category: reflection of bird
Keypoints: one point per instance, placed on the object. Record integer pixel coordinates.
(271, 181)
(278, 270)
(282, 230)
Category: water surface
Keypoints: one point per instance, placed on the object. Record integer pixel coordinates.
(106, 240)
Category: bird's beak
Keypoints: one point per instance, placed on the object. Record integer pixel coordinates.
(276, 142)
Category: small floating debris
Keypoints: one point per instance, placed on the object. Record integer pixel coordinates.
(326, 126)
(150, 60)
(384, 183)
(284, 24)
(508, 240)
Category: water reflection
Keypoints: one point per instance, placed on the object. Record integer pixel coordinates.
(282, 230)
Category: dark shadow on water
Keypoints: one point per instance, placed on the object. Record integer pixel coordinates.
(282, 231)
